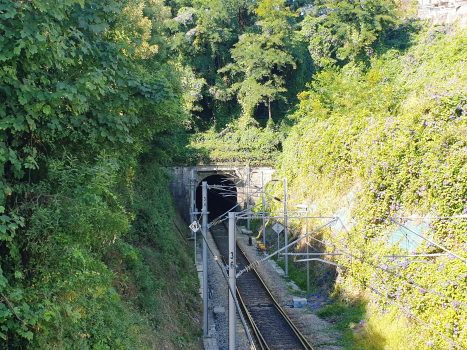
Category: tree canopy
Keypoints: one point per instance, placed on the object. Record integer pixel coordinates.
(340, 31)
(262, 56)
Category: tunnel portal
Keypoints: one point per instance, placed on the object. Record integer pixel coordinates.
(219, 200)
(183, 178)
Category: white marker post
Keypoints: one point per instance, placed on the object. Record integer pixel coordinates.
(232, 283)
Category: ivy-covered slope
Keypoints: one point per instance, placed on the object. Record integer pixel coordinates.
(389, 140)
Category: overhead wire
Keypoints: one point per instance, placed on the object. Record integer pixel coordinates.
(237, 307)
(361, 259)
(392, 301)
(407, 310)
(376, 267)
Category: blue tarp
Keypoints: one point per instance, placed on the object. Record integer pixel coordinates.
(409, 240)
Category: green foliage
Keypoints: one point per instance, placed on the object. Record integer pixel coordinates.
(261, 59)
(342, 31)
(296, 274)
(84, 87)
(58, 286)
(76, 279)
(234, 49)
(389, 139)
(204, 33)
(68, 76)
(242, 141)
(346, 315)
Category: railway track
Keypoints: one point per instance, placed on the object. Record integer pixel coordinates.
(272, 328)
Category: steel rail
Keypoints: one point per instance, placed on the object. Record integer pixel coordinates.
(294, 328)
(262, 342)
(259, 337)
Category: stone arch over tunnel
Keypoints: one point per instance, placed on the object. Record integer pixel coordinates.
(219, 200)
(181, 182)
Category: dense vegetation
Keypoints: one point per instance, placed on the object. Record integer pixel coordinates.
(88, 242)
(362, 107)
(243, 108)
(378, 133)
(386, 140)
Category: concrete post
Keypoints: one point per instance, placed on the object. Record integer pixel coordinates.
(204, 228)
(286, 274)
(232, 283)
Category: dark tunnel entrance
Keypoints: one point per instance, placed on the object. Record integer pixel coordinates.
(219, 200)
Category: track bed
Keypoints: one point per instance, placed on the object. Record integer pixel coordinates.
(271, 327)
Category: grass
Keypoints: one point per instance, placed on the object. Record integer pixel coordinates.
(320, 276)
(346, 318)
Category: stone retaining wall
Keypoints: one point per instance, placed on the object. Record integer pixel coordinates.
(443, 12)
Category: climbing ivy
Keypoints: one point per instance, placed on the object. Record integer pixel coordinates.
(388, 141)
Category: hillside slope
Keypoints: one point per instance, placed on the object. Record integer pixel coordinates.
(390, 140)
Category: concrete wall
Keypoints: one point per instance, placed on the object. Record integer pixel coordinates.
(439, 12)
(445, 3)
(179, 186)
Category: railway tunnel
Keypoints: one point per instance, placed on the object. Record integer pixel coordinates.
(182, 179)
(221, 199)
(268, 323)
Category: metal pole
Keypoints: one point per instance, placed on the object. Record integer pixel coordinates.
(264, 219)
(248, 196)
(232, 283)
(204, 228)
(285, 229)
(192, 184)
(307, 263)
(278, 243)
(192, 205)
(196, 242)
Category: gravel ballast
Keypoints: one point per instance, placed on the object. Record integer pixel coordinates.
(318, 332)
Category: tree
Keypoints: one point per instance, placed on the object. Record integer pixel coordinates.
(338, 31)
(262, 57)
(82, 93)
(204, 33)
(70, 74)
